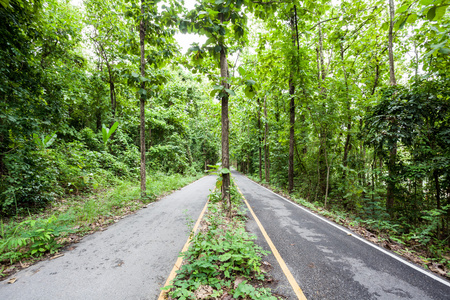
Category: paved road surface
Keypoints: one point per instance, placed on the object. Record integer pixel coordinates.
(129, 260)
(326, 262)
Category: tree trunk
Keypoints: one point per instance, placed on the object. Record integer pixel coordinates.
(393, 82)
(259, 139)
(142, 102)
(347, 145)
(391, 181)
(266, 145)
(291, 120)
(391, 43)
(438, 189)
(225, 125)
(112, 94)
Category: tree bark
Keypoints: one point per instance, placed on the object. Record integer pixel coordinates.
(266, 145)
(142, 102)
(391, 43)
(393, 151)
(259, 139)
(291, 120)
(347, 145)
(225, 128)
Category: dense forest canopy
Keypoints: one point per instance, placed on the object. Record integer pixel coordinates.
(342, 103)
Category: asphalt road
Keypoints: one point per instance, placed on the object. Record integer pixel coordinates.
(326, 262)
(130, 260)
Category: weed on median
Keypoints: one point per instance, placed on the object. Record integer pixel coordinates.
(222, 262)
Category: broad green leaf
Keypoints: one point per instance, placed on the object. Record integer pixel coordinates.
(402, 8)
(431, 13)
(49, 139)
(112, 129)
(224, 171)
(225, 257)
(5, 3)
(426, 2)
(231, 92)
(241, 71)
(217, 48)
(440, 11)
(250, 82)
(213, 93)
(444, 50)
(219, 2)
(412, 18)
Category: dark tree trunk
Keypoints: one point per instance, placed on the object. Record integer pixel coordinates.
(391, 181)
(391, 43)
(266, 145)
(225, 125)
(112, 94)
(393, 151)
(291, 137)
(142, 103)
(438, 189)
(259, 138)
(291, 117)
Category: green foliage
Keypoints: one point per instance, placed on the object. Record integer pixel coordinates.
(106, 133)
(217, 256)
(32, 238)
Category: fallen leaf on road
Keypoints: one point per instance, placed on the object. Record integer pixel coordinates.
(56, 256)
(349, 234)
(12, 280)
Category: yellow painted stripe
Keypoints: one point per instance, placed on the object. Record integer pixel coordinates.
(179, 261)
(298, 291)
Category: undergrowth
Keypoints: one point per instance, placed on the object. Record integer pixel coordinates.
(222, 261)
(27, 239)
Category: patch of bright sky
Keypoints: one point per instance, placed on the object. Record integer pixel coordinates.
(185, 39)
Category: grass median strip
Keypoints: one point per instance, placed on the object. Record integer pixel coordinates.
(222, 261)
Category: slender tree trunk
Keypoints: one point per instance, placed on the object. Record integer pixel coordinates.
(225, 125)
(438, 189)
(393, 151)
(291, 119)
(347, 145)
(142, 102)
(266, 144)
(259, 138)
(112, 94)
(391, 43)
(291, 136)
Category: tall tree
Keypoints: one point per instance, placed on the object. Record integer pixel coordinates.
(393, 82)
(142, 30)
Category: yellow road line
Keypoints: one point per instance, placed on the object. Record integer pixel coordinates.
(177, 265)
(298, 291)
